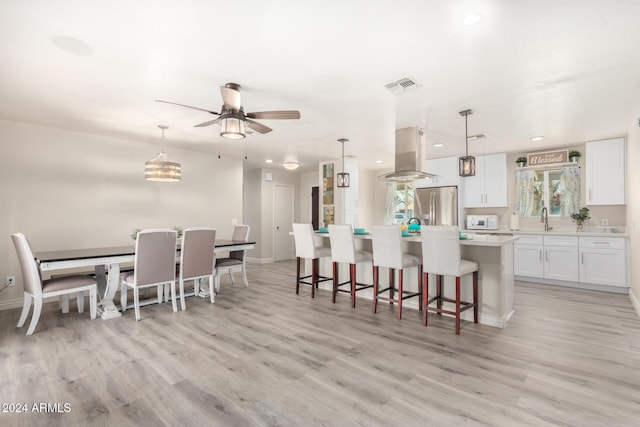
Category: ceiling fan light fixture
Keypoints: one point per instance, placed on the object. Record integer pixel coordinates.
(161, 169)
(466, 163)
(291, 165)
(232, 128)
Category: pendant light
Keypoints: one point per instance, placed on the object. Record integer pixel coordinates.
(343, 179)
(161, 169)
(467, 164)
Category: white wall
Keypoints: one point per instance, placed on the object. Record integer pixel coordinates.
(633, 211)
(72, 190)
(252, 203)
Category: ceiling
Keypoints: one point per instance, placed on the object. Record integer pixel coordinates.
(568, 70)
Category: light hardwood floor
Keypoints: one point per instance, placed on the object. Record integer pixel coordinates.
(264, 356)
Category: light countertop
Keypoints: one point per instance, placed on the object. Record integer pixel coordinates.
(593, 232)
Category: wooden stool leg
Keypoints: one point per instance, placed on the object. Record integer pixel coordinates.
(352, 274)
(420, 287)
(475, 297)
(439, 279)
(391, 285)
(425, 297)
(297, 275)
(375, 288)
(400, 294)
(457, 305)
(335, 282)
(314, 276)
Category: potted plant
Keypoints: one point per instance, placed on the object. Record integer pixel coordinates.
(574, 156)
(521, 161)
(580, 217)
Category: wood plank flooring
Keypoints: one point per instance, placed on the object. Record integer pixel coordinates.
(264, 356)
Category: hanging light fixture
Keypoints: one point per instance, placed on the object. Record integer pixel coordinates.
(467, 164)
(343, 178)
(291, 165)
(161, 169)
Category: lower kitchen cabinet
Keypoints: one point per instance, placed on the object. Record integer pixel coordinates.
(603, 261)
(557, 259)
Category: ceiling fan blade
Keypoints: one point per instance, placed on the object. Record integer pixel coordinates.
(258, 127)
(275, 115)
(208, 123)
(188, 106)
(231, 96)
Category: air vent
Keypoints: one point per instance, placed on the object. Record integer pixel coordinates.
(401, 86)
(478, 136)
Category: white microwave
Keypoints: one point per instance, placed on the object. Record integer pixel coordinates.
(482, 222)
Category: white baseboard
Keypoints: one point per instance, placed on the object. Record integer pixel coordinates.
(12, 303)
(635, 301)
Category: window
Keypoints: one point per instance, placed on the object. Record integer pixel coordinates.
(558, 190)
(399, 209)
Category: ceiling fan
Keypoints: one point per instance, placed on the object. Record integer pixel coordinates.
(232, 118)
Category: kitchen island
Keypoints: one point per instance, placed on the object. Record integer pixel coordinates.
(494, 255)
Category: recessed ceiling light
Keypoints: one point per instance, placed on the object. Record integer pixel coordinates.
(438, 145)
(73, 45)
(268, 161)
(536, 138)
(471, 19)
(378, 161)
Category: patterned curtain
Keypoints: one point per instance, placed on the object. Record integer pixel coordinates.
(570, 194)
(390, 204)
(525, 192)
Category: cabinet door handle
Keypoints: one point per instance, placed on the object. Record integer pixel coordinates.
(601, 243)
(540, 254)
(589, 194)
(546, 255)
(582, 258)
(481, 198)
(486, 198)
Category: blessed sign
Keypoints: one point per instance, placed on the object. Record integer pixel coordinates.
(547, 158)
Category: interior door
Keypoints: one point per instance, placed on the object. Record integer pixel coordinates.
(283, 220)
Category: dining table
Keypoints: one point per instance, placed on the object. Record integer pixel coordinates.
(107, 262)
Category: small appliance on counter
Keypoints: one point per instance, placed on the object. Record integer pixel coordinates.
(482, 222)
(414, 225)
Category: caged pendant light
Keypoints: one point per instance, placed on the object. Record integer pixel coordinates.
(343, 179)
(161, 169)
(467, 163)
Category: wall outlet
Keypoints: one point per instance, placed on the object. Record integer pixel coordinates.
(605, 222)
(234, 222)
(11, 280)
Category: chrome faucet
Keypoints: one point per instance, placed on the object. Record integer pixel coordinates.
(544, 217)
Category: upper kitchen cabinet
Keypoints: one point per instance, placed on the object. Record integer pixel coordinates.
(488, 188)
(605, 164)
(445, 169)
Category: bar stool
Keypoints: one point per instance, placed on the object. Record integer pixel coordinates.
(387, 253)
(441, 256)
(304, 238)
(343, 249)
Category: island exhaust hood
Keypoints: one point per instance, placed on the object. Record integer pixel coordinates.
(409, 144)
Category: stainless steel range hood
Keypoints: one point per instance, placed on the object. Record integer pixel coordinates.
(409, 145)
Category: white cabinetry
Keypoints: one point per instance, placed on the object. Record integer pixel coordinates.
(549, 257)
(603, 260)
(488, 188)
(446, 169)
(562, 259)
(605, 173)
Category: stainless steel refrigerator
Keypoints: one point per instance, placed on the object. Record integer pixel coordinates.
(436, 205)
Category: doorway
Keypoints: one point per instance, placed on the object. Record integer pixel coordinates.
(315, 207)
(283, 220)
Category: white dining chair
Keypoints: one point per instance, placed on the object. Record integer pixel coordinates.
(306, 248)
(343, 250)
(154, 265)
(387, 253)
(196, 259)
(236, 260)
(37, 289)
(441, 256)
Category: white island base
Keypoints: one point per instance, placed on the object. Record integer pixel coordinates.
(494, 255)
